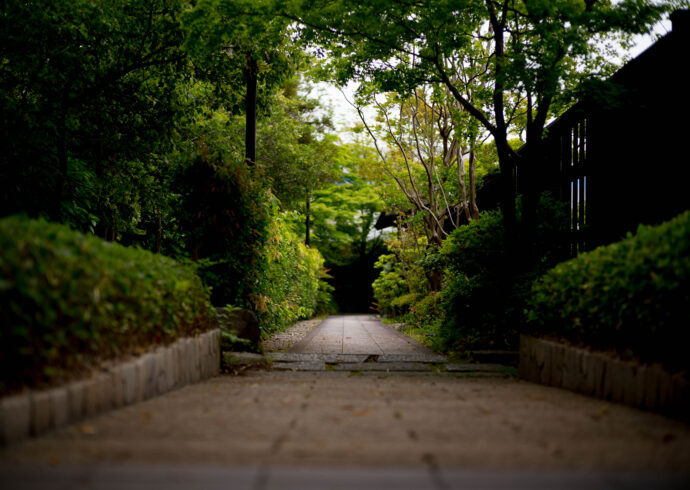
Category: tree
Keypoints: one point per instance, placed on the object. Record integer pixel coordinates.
(297, 152)
(425, 151)
(88, 89)
(528, 56)
(246, 35)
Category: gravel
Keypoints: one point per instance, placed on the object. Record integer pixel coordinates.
(282, 341)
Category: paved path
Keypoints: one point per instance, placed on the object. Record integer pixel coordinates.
(357, 334)
(359, 429)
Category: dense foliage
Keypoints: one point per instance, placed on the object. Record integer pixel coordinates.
(290, 286)
(223, 216)
(481, 302)
(633, 294)
(89, 95)
(68, 300)
(125, 119)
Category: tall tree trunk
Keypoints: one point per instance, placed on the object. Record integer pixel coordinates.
(250, 107)
(461, 183)
(474, 209)
(307, 221)
(507, 186)
(159, 232)
(434, 278)
(59, 190)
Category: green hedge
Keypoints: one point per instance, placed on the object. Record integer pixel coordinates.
(290, 285)
(68, 300)
(632, 296)
(480, 297)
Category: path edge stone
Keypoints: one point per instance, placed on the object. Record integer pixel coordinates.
(186, 361)
(647, 387)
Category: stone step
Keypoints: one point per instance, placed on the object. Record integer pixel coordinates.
(505, 357)
(356, 358)
(330, 358)
(281, 361)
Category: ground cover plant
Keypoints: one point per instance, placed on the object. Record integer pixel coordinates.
(69, 300)
(631, 295)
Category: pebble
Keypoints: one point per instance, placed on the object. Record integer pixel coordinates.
(282, 341)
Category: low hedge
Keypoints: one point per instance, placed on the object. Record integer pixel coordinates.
(68, 300)
(632, 296)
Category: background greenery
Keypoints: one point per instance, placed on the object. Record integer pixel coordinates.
(125, 120)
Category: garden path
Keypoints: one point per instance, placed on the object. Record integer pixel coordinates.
(357, 334)
(357, 428)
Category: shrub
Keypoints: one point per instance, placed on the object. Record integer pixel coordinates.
(478, 297)
(630, 295)
(425, 318)
(484, 296)
(225, 219)
(389, 286)
(290, 285)
(68, 300)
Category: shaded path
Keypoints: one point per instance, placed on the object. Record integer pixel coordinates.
(332, 429)
(357, 334)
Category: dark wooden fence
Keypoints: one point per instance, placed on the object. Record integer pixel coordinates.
(621, 159)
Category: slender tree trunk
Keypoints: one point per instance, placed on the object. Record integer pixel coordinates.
(59, 190)
(435, 279)
(529, 165)
(507, 185)
(461, 183)
(159, 232)
(250, 103)
(307, 222)
(474, 209)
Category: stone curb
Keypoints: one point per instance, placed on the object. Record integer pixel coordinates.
(596, 374)
(186, 361)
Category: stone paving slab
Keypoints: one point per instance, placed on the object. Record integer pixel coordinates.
(255, 477)
(414, 357)
(299, 366)
(415, 420)
(330, 358)
(473, 368)
(357, 334)
(387, 367)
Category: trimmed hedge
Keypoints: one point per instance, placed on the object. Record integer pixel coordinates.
(68, 300)
(632, 296)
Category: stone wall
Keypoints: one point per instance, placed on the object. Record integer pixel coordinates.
(597, 374)
(186, 361)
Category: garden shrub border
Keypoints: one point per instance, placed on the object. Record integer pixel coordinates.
(69, 301)
(631, 296)
(597, 374)
(186, 361)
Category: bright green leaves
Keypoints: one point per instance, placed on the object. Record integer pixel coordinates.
(290, 286)
(71, 300)
(295, 148)
(241, 35)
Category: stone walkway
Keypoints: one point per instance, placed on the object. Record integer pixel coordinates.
(362, 343)
(366, 429)
(357, 334)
